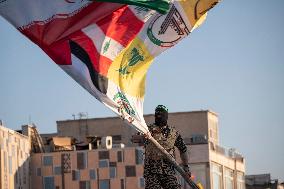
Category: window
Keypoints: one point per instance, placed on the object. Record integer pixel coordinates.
(57, 170)
(48, 183)
(47, 160)
(122, 184)
(130, 171)
(217, 176)
(119, 156)
(81, 160)
(5, 160)
(103, 163)
(112, 164)
(1, 143)
(13, 150)
(141, 182)
(112, 172)
(10, 165)
(240, 180)
(38, 172)
(139, 156)
(84, 185)
(104, 184)
(103, 154)
(92, 174)
(229, 179)
(116, 137)
(75, 175)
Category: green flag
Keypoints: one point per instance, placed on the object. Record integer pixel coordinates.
(162, 6)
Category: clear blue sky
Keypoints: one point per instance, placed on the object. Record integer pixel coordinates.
(233, 65)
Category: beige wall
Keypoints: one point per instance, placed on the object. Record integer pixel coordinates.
(14, 156)
(187, 123)
(95, 127)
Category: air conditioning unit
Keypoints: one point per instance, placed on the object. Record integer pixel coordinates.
(120, 145)
(232, 152)
(106, 142)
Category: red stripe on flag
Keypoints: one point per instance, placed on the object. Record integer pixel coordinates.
(44, 34)
(122, 25)
(59, 52)
(100, 63)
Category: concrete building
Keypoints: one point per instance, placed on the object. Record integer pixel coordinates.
(117, 163)
(86, 169)
(262, 181)
(14, 158)
(212, 165)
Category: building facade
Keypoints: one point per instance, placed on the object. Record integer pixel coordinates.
(118, 165)
(262, 181)
(89, 169)
(14, 159)
(212, 165)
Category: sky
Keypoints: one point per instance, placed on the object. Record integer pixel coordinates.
(233, 65)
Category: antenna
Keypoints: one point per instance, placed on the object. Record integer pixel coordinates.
(83, 115)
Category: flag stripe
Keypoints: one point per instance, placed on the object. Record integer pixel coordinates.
(58, 28)
(99, 63)
(119, 27)
(99, 81)
(105, 45)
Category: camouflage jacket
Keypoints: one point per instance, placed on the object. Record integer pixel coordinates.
(168, 137)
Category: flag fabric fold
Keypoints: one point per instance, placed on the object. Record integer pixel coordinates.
(106, 47)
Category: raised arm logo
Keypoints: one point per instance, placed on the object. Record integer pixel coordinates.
(167, 30)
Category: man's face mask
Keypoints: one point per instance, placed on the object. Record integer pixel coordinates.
(161, 117)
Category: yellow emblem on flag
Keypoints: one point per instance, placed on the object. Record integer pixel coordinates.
(128, 70)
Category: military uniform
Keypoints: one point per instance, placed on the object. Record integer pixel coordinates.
(159, 173)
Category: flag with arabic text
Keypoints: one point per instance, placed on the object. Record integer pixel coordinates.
(107, 47)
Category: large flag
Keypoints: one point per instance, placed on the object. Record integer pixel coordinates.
(106, 47)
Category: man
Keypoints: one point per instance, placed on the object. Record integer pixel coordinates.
(159, 173)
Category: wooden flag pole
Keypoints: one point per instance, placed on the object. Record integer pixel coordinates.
(173, 161)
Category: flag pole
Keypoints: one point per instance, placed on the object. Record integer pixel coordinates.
(173, 161)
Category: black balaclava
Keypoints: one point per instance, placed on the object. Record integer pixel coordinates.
(161, 115)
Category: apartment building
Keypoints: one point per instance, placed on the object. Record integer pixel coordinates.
(14, 159)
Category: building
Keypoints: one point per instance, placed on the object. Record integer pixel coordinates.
(98, 154)
(262, 181)
(212, 165)
(14, 158)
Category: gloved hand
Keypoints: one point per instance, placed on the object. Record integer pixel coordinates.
(187, 170)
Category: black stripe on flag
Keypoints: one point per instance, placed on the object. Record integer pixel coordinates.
(98, 80)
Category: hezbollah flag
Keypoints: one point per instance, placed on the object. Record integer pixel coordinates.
(106, 47)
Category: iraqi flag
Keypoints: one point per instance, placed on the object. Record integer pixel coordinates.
(107, 47)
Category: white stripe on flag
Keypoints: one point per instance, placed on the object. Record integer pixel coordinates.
(100, 41)
(80, 73)
(38, 10)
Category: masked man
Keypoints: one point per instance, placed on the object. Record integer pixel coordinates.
(159, 173)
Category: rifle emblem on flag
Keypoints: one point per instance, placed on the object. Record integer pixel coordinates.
(170, 28)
